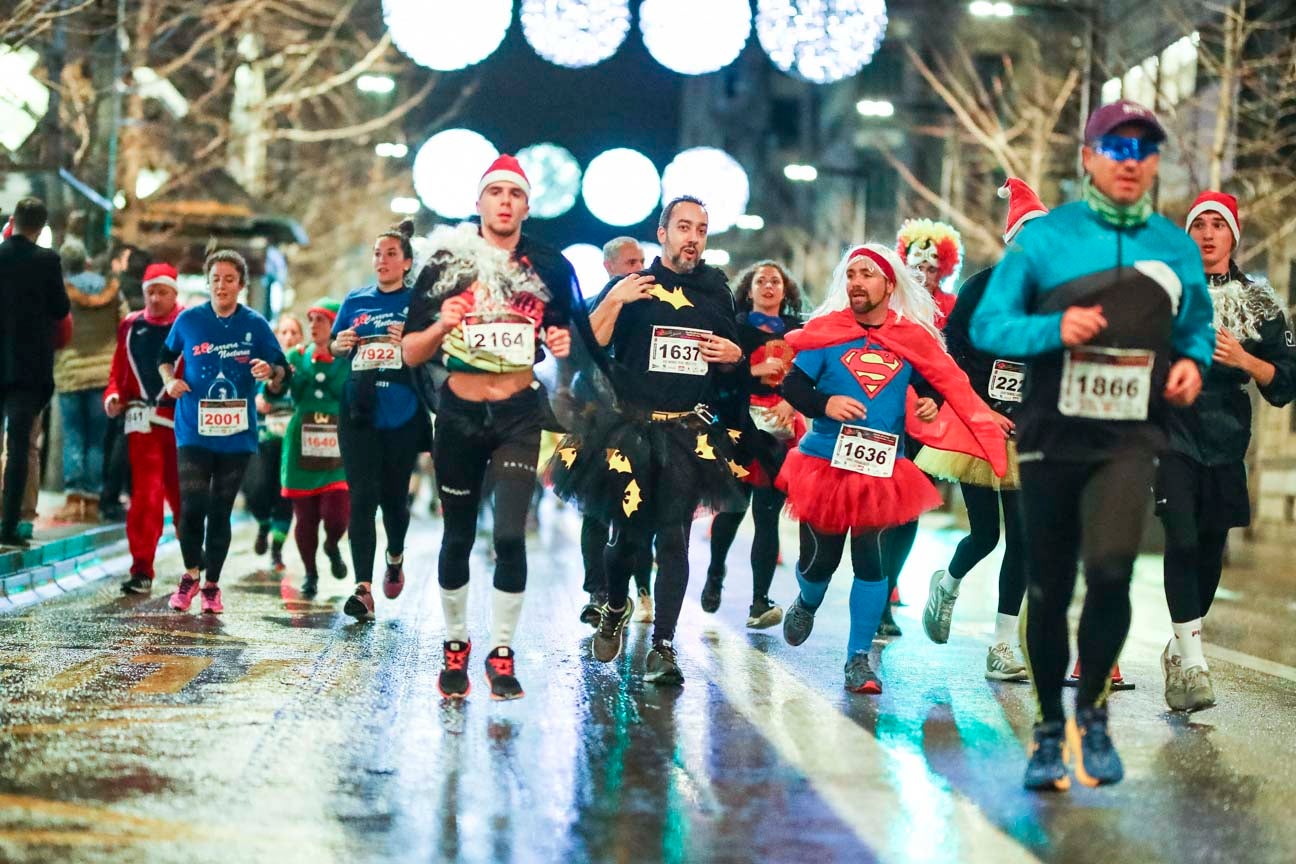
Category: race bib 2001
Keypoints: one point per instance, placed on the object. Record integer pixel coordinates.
(376, 352)
(677, 350)
(220, 418)
(1106, 383)
(865, 451)
(509, 336)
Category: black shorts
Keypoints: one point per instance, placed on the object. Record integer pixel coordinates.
(1215, 496)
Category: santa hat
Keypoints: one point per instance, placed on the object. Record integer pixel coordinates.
(507, 169)
(161, 274)
(1023, 205)
(8, 229)
(924, 241)
(326, 306)
(1217, 202)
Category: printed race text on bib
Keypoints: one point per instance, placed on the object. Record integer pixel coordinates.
(376, 352)
(510, 336)
(139, 417)
(277, 423)
(220, 418)
(1106, 383)
(1006, 381)
(677, 350)
(865, 451)
(320, 441)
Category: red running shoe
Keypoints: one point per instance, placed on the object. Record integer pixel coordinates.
(393, 581)
(184, 595)
(453, 681)
(499, 674)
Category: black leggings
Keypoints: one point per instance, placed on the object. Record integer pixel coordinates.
(1192, 568)
(896, 544)
(1090, 511)
(265, 502)
(594, 540)
(1197, 505)
(209, 483)
(983, 519)
(821, 553)
(766, 505)
(626, 547)
(472, 437)
(19, 411)
(378, 464)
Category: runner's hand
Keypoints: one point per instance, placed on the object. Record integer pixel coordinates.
(1228, 350)
(768, 366)
(261, 370)
(262, 406)
(346, 340)
(844, 409)
(113, 406)
(1183, 383)
(717, 349)
(926, 409)
(784, 413)
(559, 341)
(177, 388)
(631, 289)
(396, 331)
(1082, 323)
(1004, 423)
(454, 309)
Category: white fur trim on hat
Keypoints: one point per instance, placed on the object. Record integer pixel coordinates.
(1216, 207)
(506, 176)
(164, 279)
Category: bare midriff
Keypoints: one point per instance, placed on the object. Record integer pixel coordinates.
(489, 388)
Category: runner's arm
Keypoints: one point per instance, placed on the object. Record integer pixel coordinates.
(1002, 324)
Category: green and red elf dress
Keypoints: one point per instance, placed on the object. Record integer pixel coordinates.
(312, 461)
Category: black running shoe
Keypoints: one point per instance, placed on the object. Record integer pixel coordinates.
(276, 556)
(262, 540)
(336, 565)
(591, 612)
(310, 585)
(453, 681)
(662, 666)
(887, 627)
(711, 592)
(137, 584)
(500, 675)
(764, 613)
(611, 632)
(797, 623)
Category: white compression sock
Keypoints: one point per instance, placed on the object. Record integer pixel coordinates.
(506, 608)
(1005, 629)
(950, 584)
(1187, 643)
(454, 608)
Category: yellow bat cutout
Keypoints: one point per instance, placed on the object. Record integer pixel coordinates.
(734, 434)
(738, 471)
(567, 455)
(631, 500)
(704, 449)
(617, 462)
(674, 297)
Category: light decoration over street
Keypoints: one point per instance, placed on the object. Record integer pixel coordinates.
(621, 187)
(587, 260)
(447, 35)
(555, 177)
(821, 41)
(713, 176)
(575, 33)
(447, 168)
(694, 37)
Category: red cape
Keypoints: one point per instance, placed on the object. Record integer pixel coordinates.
(965, 424)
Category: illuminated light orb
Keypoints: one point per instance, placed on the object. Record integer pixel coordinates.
(447, 34)
(587, 261)
(692, 37)
(575, 33)
(651, 250)
(447, 168)
(621, 187)
(555, 177)
(713, 176)
(821, 40)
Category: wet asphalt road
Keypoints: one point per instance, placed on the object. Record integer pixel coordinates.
(282, 731)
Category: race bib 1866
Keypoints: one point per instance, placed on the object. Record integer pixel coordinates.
(1006, 381)
(1106, 383)
(865, 451)
(376, 352)
(220, 418)
(139, 417)
(510, 336)
(677, 350)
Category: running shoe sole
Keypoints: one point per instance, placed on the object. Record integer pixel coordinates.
(356, 608)
(1073, 758)
(768, 618)
(504, 697)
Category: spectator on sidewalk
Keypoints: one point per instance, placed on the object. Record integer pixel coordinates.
(31, 289)
(80, 375)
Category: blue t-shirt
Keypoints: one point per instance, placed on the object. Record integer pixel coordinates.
(218, 355)
(370, 312)
(863, 370)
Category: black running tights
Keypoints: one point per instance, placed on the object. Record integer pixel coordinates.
(896, 545)
(821, 553)
(209, 483)
(594, 540)
(983, 518)
(1091, 512)
(378, 464)
(265, 501)
(1194, 560)
(624, 548)
(766, 505)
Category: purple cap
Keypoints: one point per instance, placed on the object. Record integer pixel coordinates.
(1120, 113)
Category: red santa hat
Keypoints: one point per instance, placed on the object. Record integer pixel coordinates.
(1023, 205)
(8, 229)
(1217, 202)
(161, 274)
(507, 169)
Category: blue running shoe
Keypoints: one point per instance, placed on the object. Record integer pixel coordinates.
(1090, 750)
(1046, 770)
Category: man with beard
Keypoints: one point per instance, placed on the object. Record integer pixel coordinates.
(649, 466)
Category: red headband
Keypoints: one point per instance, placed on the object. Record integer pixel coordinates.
(882, 263)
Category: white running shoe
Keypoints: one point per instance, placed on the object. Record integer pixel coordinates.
(1002, 664)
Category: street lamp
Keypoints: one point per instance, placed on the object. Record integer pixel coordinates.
(875, 108)
(377, 84)
(798, 173)
(986, 9)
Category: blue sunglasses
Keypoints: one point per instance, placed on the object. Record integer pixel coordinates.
(1119, 148)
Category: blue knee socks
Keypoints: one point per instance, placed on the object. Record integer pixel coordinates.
(812, 593)
(867, 602)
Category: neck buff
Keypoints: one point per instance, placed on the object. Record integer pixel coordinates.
(760, 319)
(1117, 215)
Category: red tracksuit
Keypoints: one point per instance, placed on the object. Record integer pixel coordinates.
(135, 381)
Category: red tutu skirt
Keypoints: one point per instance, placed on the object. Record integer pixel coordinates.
(834, 500)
